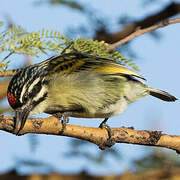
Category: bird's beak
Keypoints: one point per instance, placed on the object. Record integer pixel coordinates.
(21, 116)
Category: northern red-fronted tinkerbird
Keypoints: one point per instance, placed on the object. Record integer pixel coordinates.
(77, 85)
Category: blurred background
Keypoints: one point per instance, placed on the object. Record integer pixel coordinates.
(157, 56)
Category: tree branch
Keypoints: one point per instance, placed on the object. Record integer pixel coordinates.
(9, 73)
(139, 32)
(97, 136)
(3, 87)
(169, 11)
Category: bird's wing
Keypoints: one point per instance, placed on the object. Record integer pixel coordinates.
(75, 62)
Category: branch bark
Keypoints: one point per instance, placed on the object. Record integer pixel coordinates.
(97, 136)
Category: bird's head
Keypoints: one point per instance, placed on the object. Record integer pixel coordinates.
(26, 90)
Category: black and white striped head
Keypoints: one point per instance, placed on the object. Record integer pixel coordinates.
(26, 90)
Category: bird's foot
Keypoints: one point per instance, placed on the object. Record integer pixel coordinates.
(109, 142)
(103, 125)
(58, 115)
(64, 121)
(64, 117)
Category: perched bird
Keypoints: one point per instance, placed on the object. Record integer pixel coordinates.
(77, 85)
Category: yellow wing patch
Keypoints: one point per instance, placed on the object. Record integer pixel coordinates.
(116, 69)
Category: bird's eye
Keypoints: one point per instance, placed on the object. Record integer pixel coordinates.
(36, 89)
(25, 97)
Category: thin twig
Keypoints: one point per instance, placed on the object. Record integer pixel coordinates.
(172, 9)
(9, 73)
(8, 56)
(140, 31)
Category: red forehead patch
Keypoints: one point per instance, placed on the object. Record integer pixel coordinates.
(11, 99)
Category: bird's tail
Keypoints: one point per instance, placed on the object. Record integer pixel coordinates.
(161, 94)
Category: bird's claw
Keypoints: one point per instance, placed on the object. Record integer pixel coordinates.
(109, 142)
(105, 126)
(64, 121)
(64, 117)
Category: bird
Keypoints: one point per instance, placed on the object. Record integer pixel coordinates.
(79, 85)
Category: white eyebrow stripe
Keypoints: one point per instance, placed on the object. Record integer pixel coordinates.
(23, 91)
(33, 84)
(29, 89)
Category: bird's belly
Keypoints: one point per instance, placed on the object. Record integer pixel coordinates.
(108, 111)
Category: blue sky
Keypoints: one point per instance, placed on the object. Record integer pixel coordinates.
(159, 62)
